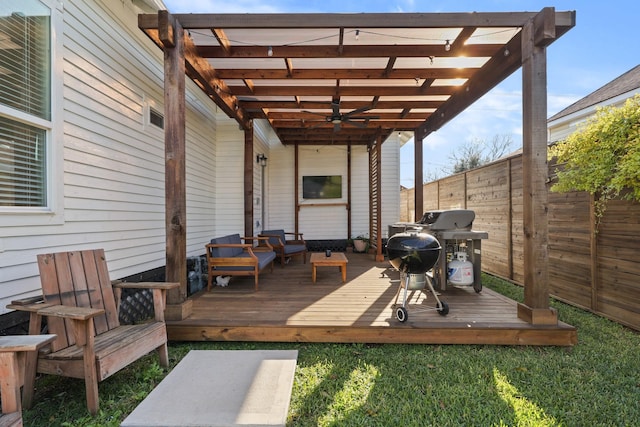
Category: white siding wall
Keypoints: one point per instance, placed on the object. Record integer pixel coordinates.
(201, 178)
(229, 173)
(280, 194)
(261, 135)
(113, 167)
(330, 222)
(359, 191)
(390, 183)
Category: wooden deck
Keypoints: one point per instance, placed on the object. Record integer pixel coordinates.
(290, 308)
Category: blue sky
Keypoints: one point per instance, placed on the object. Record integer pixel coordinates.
(602, 46)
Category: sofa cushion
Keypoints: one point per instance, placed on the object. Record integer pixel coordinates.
(264, 258)
(227, 252)
(294, 249)
(274, 240)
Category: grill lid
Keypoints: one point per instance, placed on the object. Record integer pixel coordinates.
(453, 219)
(413, 252)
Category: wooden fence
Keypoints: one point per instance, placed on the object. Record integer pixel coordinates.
(598, 271)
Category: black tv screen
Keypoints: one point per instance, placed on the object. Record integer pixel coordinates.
(322, 187)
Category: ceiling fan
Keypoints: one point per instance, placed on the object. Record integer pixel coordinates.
(348, 118)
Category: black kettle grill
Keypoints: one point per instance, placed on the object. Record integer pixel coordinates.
(413, 254)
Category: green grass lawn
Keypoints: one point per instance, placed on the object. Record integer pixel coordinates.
(595, 383)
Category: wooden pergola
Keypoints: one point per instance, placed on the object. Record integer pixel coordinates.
(354, 79)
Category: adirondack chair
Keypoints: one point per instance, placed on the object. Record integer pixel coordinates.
(81, 307)
(12, 361)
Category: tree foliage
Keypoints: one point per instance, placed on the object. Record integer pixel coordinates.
(472, 154)
(603, 156)
(478, 152)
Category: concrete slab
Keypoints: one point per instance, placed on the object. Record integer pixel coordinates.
(221, 388)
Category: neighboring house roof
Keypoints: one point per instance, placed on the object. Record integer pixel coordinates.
(623, 84)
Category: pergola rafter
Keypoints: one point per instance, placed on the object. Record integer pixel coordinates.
(412, 71)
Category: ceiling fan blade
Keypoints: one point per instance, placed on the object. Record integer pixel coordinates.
(356, 111)
(363, 118)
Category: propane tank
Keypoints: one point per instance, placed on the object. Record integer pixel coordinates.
(460, 271)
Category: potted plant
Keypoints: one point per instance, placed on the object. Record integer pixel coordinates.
(361, 243)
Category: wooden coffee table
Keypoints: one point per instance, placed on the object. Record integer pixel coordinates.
(337, 259)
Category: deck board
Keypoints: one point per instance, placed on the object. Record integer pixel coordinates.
(290, 308)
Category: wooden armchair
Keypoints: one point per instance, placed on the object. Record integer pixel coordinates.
(284, 247)
(13, 350)
(81, 308)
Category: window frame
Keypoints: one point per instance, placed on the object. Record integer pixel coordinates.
(52, 213)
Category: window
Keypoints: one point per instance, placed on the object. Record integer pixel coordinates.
(22, 165)
(25, 102)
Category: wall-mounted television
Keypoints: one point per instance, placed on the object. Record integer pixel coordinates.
(322, 187)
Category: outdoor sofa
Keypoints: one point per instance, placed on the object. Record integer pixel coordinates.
(233, 255)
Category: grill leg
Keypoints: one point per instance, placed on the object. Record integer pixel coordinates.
(406, 286)
(399, 288)
(430, 284)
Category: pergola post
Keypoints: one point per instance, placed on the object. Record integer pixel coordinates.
(296, 195)
(248, 182)
(349, 192)
(172, 36)
(535, 35)
(418, 174)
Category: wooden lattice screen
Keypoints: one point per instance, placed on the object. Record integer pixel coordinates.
(375, 199)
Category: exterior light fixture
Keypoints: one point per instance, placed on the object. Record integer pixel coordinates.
(269, 51)
(447, 46)
(262, 159)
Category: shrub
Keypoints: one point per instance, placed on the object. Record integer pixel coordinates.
(603, 156)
